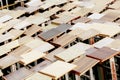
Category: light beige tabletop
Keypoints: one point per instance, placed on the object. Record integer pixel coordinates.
(31, 57)
(6, 26)
(8, 61)
(34, 3)
(38, 76)
(16, 33)
(20, 74)
(103, 42)
(32, 30)
(44, 47)
(115, 5)
(69, 6)
(6, 37)
(115, 44)
(72, 52)
(34, 43)
(108, 29)
(88, 34)
(51, 56)
(47, 5)
(57, 69)
(22, 25)
(5, 18)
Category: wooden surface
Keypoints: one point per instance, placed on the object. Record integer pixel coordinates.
(8, 25)
(69, 6)
(88, 34)
(54, 32)
(4, 50)
(31, 9)
(48, 27)
(67, 55)
(57, 69)
(34, 3)
(44, 47)
(84, 64)
(103, 42)
(111, 16)
(115, 5)
(8, 61)
(21, 50)
(64, 40)
(16, 14)
(16, 33)
(25, 40)
(41, 66)
(19, 74)
(50, 12)
(31, 57)
(103, 54)
(37, 20)
(38, 76)
(47, 5)
(32, 30)
(35, 43)
(76, 31)
(5, 18)
(115, 45)
(22, 25)
(51, 56)
(6, 37)
(108, 29)
(82, 19)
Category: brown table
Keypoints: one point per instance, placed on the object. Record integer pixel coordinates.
(19, 74)
(8, 61)
(104, 54)
(52, 33)
(40, 66)
(65, 40)
(84, 64)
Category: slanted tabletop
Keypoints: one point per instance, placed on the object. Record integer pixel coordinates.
(70, 53)
(57, 69)
(44, 47)
(103, 42)
(103, 54)
(38, 76)
(65, 40)
(22, 25)
(115, 45)
(8, 61)
(32, 30)
(5, 18)
(31, 57)
(88, 34)
(51, 56)
(82, 19)
(54, 32)
(84, 64)
(6, 37)
(41, 66)
(20, 74)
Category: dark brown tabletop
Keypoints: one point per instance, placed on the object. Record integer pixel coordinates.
(84, 64)
(54, 32)
(103, 54)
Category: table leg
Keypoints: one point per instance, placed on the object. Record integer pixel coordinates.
(113, 68)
